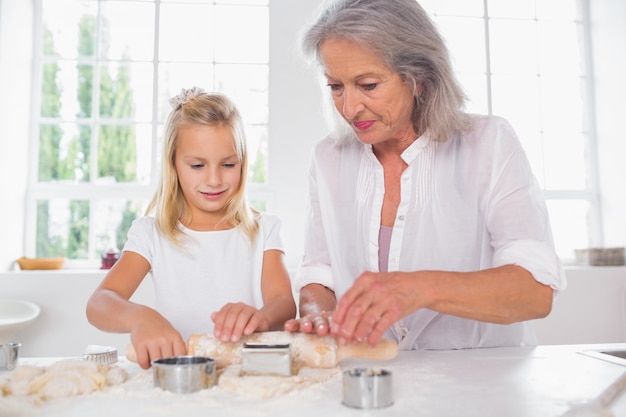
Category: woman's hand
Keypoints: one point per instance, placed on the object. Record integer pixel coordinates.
(313, 323)
(373, 303)
(238, 319)
(317, 303)
(155, 338)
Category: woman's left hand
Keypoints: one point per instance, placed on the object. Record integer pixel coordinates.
(318, 323)
(238, 319)
(375, 301)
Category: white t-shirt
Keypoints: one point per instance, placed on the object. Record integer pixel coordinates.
(213, 269)
(467, 204)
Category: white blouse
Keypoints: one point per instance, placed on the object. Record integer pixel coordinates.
(467, 204)
(212, 269)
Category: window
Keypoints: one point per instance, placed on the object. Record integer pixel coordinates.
(105, 70)
(526, 61)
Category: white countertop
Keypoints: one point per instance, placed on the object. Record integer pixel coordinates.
(511, 382)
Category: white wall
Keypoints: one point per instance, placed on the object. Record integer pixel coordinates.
(591, 310)
(295, 120)
(15, 64)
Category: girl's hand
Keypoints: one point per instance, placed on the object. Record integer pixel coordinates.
(238, 319)
(318, 323)
(155, 338)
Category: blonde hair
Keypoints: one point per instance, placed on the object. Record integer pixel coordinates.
(407, 42)
(196, 107)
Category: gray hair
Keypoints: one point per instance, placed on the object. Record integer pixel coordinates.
(408, 42)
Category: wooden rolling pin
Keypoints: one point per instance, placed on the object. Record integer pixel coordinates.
(308, 350)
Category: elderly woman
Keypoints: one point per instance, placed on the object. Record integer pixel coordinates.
(426, 224)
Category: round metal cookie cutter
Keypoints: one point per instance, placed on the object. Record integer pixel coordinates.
(367, 388)
(184, 374)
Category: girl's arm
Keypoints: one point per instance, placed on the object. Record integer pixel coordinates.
(109, 308)
(237, 319)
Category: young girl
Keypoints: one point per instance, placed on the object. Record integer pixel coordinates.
(217, 264)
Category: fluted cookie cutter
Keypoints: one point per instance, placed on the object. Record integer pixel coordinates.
(105, 355)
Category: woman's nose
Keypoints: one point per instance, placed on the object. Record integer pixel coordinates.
(352, 104)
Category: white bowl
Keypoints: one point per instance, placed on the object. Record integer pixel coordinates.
(14, 316)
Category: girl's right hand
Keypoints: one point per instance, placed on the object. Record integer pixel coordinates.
(155, 338)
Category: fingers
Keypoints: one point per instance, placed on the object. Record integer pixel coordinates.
(155, 349)
(367, 310)
(314, 323)
(235, 320)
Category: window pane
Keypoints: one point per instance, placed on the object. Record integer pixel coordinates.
(127, 30)
(516, 98)
(475, 87)
(66, 90)
(513, 9)
(562, 103)
(125, 154)
(244, 34)
(247, 86)
(465, 38)
(565, 156)
(187, 32)
(111, 221)
(558, 10)
(64, 152)
(513, 46)
(256, 139)
(62, 23)
(457, 7)
(174, 77)
(63, 228)
(559, 36)
(242, 2)
(117, 154)
(569, 221)
(126, 91)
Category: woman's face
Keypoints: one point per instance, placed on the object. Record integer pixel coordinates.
(209, 172)
(373, 99)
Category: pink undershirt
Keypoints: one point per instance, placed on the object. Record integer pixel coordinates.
(384, 240)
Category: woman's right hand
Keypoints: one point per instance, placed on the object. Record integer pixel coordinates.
(155, 338)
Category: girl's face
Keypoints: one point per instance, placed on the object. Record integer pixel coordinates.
(372, 98)
(209, 172)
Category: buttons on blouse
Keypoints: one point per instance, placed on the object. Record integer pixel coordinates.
(405, 177)
(401, 217)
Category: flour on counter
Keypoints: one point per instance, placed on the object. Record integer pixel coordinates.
(272, 386)
(65, 378)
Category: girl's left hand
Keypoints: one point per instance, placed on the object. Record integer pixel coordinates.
(238, 319)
